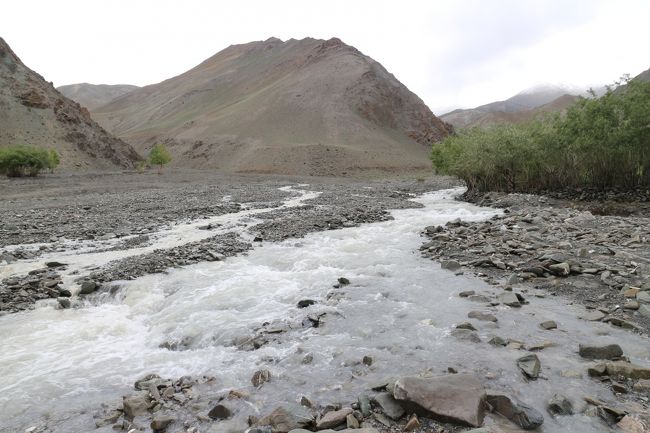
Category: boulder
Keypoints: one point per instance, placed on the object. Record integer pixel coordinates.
(509, 299)
(160, 422)
(87, 287)
(260, 377)
(482, 315)
(609, 351)
(519, 413)
(285, 419)
(389, 406)
(220, 412)
(560, 269)
(333, 418)
(450, 265)
(560, 405)
(529, 366)
(136, 404)
(626, 369)
(548, 325)
(457, 398)
(593, 316)
(466, 335)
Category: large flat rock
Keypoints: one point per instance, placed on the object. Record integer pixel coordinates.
(456, 398)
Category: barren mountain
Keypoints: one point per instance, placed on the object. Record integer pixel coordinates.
(300, 107)
(33, 112)
(92, 96)
(519, 108)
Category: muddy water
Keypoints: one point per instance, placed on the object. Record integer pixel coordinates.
(399, 310)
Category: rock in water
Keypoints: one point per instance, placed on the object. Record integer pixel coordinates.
(161, 421)
(509, 299)
(458, 398)
(450, 265)
(627, 369)
(87, 287)
(136, 404)
(219, 412)
(333, 419)
(389, 405)
(609, 351)
(285, 419)
(260, 377)
(530, 366)
(519, 413)
(560, 405)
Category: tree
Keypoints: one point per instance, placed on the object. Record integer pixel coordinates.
(17, 161)
(159, 156)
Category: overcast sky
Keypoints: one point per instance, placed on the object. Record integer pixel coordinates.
(451, 53)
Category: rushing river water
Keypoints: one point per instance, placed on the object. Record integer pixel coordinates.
(399, 309)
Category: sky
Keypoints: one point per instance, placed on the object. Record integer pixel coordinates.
(452, 54)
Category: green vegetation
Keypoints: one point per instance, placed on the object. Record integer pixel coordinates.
(141, 166)
(598, 142)
(17, 161)
(159, 156)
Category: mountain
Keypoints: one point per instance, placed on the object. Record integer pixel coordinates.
(92, 96)
(305, 106)
(33, 112)
(520, 107)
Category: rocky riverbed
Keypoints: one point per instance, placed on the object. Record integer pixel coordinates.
(314, 310)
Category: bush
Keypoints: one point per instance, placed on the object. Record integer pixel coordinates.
(159, 156)
(602, 143)
(17, 161)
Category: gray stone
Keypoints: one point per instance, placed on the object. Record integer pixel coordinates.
(136, 404)
(643, 297)
(466, 293)
(466, 335)
(497, 341)
(644, 310)
(626, 369)
(220, 412)
(548, 325)
(519, 413)
(593, 316)
(288, 418)
(459, 398)
(466, 325)
(450, 265)
(529, 366)
(260, 377)
(87, 287)
(560, 405)
(560, 269)
(481, 315)
(609, 351)
(509, 299)
(160, 422)
(364, 404)
(333, 418)
(389, 405)
(64, 302)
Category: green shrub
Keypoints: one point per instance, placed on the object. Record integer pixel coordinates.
(159, 156)
(17, 161)
(141, 166)
(603, 143)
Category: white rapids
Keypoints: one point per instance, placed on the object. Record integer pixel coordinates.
(399, 309)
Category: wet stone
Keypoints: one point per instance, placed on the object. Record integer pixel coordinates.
(609, 351)
(529, 366)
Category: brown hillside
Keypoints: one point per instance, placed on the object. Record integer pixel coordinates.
(33, 112)
(93, 96)
(298, 107)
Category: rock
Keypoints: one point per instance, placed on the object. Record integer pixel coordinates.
(519, 413)
(593, 316)
(64, 302)
(351, 422)
(466, 335)
(389, 406)
(160, 422)
(347, 430)
(597, 370)
(634, 424)
(497, 341)
(367, 360)
(364, 404)
(626, 369)
(560, 405)
(466, 325)
(220, 412)
(54, 264)
(631, 305)
(304, 303)
(308, 358)
(87, 287)
(560, 269)
(509, 299)
(478, 298)
(450, 265)
(609, 351)
(136, 404)
(260, 377)
(644, 310)
(642, 386)
(481, 315)
(304, 401)
(643, 297)
(530, 366)
(343, 281)
(548, 325)
(466, 293)
(631, 292)
(413, 423)
(285, 419)
(458, 398)
(333, 418)
(144, 383)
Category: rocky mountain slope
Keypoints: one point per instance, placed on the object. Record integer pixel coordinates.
(519, 108)
(93, 96)
(305, 106)
(33, 112)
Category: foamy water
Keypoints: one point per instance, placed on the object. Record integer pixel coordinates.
(399, 309)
